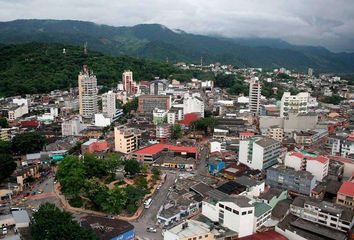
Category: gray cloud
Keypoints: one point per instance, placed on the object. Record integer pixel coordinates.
(328, 23)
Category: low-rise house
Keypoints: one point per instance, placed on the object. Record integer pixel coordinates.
(273, 196)
(345, 195)
(94, 145)
(190, 229)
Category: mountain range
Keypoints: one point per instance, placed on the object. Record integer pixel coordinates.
(157, 42)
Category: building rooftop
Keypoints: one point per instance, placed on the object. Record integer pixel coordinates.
(267, 235)
(156, 148)
(218, 196)
(272, 192)
(281, 208)
(260, 208)
(246, 181)
(347, 189)
(190, 229)
(321, 159)
(106, 228)
(21, 216)
(266, 141)
(291, 171)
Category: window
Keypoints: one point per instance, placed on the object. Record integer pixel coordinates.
(221, 205)
(235, 211)
(250, 212)
(206, 236)
(200, 237)
(244, 213)
(333, 219)
(195, 238)
(228, 209)
(333, 225)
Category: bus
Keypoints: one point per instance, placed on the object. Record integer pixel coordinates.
(148, 203)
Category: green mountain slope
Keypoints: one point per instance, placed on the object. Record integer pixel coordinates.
(42, 67)
(157, 42)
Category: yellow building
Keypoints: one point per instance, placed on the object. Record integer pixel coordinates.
(126, 140)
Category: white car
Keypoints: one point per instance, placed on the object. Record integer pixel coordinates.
(4, 231)
(151, 229)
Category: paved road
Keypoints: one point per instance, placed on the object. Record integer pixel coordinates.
(148, 217)
(201, 167)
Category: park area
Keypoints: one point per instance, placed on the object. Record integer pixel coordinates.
(107, 185)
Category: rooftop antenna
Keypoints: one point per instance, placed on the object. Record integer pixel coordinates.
(85, 48)
(64, 51)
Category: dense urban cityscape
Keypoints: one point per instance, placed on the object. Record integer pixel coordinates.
(100, 141)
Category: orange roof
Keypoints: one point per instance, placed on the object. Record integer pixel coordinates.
(347, 189)
(321, 159)
(189, 117)
(271, 235)
(247, 134)
(156, 148)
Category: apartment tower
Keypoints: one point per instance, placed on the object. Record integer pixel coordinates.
(87, 83)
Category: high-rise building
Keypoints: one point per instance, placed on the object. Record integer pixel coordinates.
(255, 96)
(129, 85)
(294, 103)
(109, 104)
(157, 87)
(87, 83)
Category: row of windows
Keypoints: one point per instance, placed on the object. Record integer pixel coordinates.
(233, 210)
(200, 237)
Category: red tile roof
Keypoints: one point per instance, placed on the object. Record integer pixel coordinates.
(321, 159)
(347, 189)
(189, 117)
(247, 134)
(156, 148)
(271, 235)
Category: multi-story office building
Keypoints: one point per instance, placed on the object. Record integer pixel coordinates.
(276, 133)
(126, 140)
(310, 137)
(162, 132)
(235, 213)
(109, 104)
(157, 87)
(129, 85)
(317, 165)
(193, 104)
(323, 213)
(72, 126)
(87, 83)
(296, 182)
(259, 152)
(255, 96)
(347, 148)
(294, 103)
(345, 195)
(147, 103)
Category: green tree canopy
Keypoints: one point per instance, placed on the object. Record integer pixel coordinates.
(7, 166)
(132, 167)
(52, 223)
(4, 123)
(175, 131)
(29, 142)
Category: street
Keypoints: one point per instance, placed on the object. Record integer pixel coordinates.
(148, 217)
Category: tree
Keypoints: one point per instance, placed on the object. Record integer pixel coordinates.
(141, 183)
(130, 106)
(132, 167)
(4, 123)
(204, 124)
(29, 142)
(155, 173)
(176, 131)
(335, 99)
(111, 201)
(52, 223)
(94, 167)
(134, 196)
(7, 166)
(5, 147)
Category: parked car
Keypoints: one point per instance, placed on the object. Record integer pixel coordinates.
(151, 229)
(4, 231)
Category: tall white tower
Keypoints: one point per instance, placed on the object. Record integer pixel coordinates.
(255, 96)
(87, 83)
(109, 104)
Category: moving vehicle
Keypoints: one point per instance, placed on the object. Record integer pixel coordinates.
(151, 229)
(15, 209)
(148, 203)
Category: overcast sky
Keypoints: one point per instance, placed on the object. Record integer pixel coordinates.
(328, 23)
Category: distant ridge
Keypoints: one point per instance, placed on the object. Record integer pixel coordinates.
(155, 41)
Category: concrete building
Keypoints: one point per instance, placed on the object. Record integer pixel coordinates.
(191, 229)
(126, 140)
(72, 126)
(259, 152)
(193, 104)
(158, 87)
(159, 116)
(162, 132)
(296, 182)
(294, 103)
(87, 83)
(255, 96)
(347, 147)
(323, 213)
(4, 134)
(147, 103)
(345, 195)
(102, 121)
(94, 145)
(14, 111)
(276, 133)
(109, 104)
(310, 137)
(129, 85)
(317, 165)
(235, 213)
